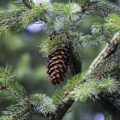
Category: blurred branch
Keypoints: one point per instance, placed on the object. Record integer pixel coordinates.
(26, 4)
(84, 4)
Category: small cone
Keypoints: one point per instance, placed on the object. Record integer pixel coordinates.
(57, 64)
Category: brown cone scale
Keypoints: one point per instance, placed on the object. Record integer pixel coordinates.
(57, 64)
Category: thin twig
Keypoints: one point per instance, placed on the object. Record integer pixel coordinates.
(115, 23)
(63, 35)
(26, 4)
(84, 4)
(8, 17)
(5, 77)
(27, 101)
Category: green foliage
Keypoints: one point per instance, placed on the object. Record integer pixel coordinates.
(10, 18)
(92, 88)
(98, 34)
(7, 80)
(5, 75)
(72, 8)
(61, 93)
(47, 47)
(20, 19)
(110, 66)
(46, 11)
(43, 8)
(58, 96)
(113, 23)
(62, 21)
(101, 8)
(16, 112)
(83, 87)
(42, 104)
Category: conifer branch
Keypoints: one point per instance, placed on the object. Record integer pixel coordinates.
(113, 22)
(63, 34)
(18, 96)
(19, 112)
(109, 47)
(82, 86)
(7, 74)
(101, 8)
(109, 66)
(106, 51)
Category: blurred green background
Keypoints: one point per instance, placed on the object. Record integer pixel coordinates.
(22, 52)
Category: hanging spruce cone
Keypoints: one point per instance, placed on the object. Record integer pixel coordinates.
(57, 64)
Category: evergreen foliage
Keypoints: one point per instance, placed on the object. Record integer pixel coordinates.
(8, 83)
(42, 104)
(112, 23)
(62, 21)
(16, 112)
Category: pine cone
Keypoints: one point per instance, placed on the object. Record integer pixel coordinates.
(57, 64)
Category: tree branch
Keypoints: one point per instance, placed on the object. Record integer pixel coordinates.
(110, 102)
(62, 110)
(107, 51)
(84, 4)
(26, 4)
